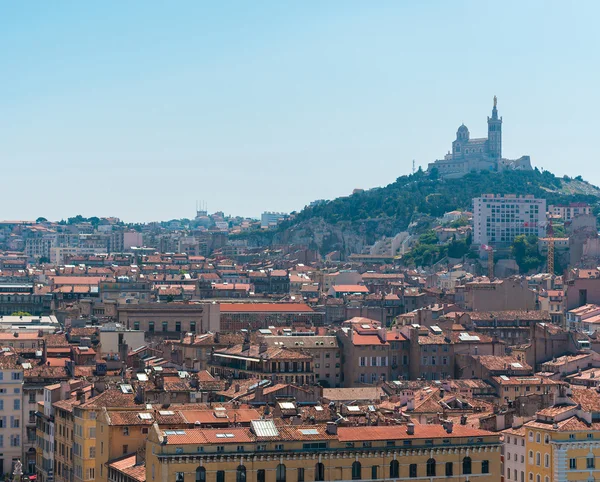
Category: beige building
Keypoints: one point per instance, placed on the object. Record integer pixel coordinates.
(371, 353)
(499, 295)
(170, 319)
(325, 350)
(112, 335)
(11, 422)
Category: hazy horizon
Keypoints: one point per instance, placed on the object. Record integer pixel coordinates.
(138, 110)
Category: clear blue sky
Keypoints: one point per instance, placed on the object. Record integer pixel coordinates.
(137, 109)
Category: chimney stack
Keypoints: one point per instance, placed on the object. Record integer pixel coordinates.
(331, 428)
(410, 429)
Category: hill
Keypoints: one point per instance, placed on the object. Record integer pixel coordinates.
(350, 223)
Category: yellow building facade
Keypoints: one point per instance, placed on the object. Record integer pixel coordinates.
(269, 453)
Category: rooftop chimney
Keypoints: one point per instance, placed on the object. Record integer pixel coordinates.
(410, 429)
(463, 419)
(331, 428)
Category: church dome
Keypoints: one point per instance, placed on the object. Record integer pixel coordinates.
(462, 133)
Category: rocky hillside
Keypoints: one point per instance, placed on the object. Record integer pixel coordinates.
(350, 223)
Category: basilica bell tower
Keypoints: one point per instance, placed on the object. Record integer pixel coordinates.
(495, 133)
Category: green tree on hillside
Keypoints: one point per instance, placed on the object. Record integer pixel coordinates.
(526, 253)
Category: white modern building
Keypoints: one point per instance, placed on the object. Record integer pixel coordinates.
(270, 220)
(497, 219)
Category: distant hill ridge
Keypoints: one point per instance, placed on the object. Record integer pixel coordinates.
(350, 223)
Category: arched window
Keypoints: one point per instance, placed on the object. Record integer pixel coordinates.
(449, 469)
(319, 472)
(280, 473)
(431, 468)
(467, 466)
(240, 474)
(356, 471)
(200, 474)
(394, 469)
(485, 466)
(374, 472)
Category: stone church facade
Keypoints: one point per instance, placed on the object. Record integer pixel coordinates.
(482, 154)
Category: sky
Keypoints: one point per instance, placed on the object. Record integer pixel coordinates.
(139, 109)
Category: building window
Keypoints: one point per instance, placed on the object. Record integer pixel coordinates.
(467, 466)
(151, 327)
(485, 466)
(431, 468)
(449, 469)
(356, 470)
(193, 326)
(412, 470)
(17, 404)
(240, 474)
(179, 477)
(260, 475)
(573, 464)
(374, 475)
(136, 325)
(538, 437)
(178, 326)
(547, 460)
(280, 473)
(394, 469)
(590, 463)
(125, 430)
(200, 474)
(300, 473)
(538, 459)
(220, 476)
(319, 472)
(165, 326)
(125, 449)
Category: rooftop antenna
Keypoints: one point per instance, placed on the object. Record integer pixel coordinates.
(414, 166)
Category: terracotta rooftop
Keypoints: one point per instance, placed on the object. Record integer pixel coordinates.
(265, 308)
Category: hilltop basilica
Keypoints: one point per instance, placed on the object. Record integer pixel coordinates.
(478, 154)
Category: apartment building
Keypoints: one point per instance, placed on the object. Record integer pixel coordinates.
(275, 363)
(325, 352)
(170, 320)
(515, 453)
(568, 211)
(371, 353)
(63, 439)
(11, 390)
(431, 353)
(497, 218)
(265, 452)
(254, 316)
(84, 427)
(585, 318)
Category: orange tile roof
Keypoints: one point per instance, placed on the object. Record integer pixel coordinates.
(359, 339)
(266, 308)
(371, 433)
(350, 289)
